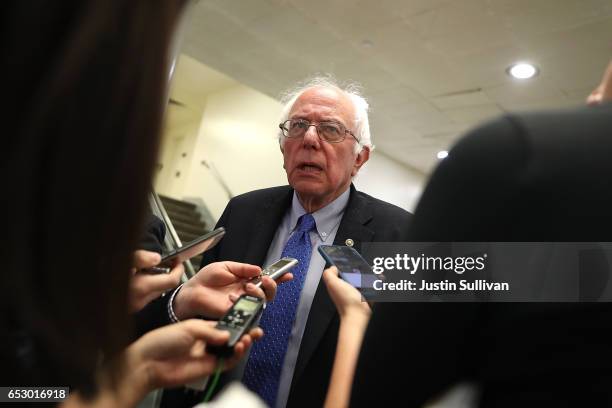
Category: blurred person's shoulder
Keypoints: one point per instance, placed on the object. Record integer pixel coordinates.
(555, 125)
(544, 125)
(519, 139)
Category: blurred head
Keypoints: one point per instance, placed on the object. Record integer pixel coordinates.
(317, 168)
(603, 92)
(86, 81)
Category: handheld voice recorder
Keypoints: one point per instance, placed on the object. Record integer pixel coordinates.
(237, 321)
(276, 270)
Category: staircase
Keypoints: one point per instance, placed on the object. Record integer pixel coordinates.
(187, 222)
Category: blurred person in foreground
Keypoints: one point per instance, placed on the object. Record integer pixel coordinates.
(523, 177)
(86, 81)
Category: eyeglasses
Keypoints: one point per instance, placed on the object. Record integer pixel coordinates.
(332, 132)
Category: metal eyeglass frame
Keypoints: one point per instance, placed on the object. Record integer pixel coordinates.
(285, 131)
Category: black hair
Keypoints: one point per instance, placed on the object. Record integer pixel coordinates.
(85, 81)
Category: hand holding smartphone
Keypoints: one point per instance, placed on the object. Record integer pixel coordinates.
(187, 251)
(351, 265)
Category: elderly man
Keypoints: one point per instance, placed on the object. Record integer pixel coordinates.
(325, 139)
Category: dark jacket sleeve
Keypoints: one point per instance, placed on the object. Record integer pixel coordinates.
(154, 234)
(154, 314)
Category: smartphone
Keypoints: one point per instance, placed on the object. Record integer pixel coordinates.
(241, 318)
(156, 270)
(193, 248)
(276, 270)
(351, 266)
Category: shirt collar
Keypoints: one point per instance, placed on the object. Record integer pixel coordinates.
(326, 218)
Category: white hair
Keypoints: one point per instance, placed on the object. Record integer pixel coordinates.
(351, 90)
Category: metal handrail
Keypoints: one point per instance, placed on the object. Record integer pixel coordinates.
(217, 176)
(171, 240)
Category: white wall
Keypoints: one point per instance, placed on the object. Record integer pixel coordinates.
(178, 138)
(388, 180)
(237, 137)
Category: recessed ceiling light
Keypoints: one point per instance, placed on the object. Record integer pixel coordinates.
(522, 70)
(442, 154)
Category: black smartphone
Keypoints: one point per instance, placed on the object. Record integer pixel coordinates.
(193, 248)
(241, 318)
(351, 266)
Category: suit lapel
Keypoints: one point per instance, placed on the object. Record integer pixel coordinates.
(353, 226)
(267, 218)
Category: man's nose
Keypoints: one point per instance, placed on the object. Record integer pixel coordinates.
(311, 137)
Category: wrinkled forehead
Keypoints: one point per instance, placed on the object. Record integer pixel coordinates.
(321, 103)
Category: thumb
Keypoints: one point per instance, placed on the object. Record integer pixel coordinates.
(329, 274)
(146, 259)
(242, 270)
(202, 330)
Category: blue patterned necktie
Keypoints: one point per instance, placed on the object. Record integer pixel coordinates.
(263, 369)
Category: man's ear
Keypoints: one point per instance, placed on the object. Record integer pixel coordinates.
(360, 160)
(280, 146)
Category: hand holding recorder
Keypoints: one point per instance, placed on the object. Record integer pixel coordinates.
(166, 357)
(176, 354)
(215, 288)
(246, 310)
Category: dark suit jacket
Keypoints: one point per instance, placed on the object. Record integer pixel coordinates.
(530, 177)
(252, 219)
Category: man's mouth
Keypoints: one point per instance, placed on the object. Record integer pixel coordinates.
(310, 167)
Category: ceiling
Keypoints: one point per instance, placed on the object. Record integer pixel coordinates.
(196, 80)
(431, 69)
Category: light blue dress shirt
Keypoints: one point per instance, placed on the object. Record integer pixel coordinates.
(327, 220)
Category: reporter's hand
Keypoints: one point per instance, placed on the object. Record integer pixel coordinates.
(167, 357)
(347, 299)
(144, 287)
(213, 290)
(176, 354)
(354, 317)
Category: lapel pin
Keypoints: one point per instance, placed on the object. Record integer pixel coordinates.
(349, 242)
